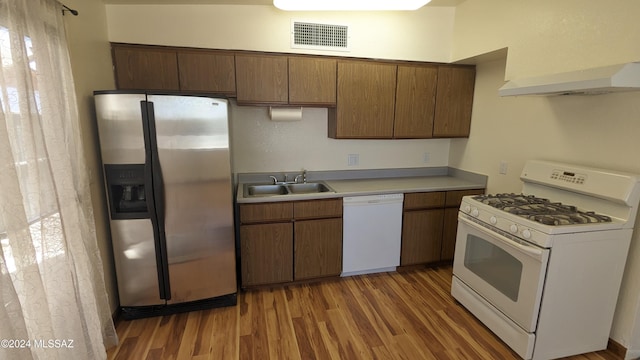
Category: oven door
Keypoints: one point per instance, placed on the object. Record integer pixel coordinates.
(508, 273)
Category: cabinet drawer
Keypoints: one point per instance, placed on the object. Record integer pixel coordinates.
(424, 200)
(454, 198)
(264, 212)
(314, 209)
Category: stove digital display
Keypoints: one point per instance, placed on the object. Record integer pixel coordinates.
(568, 177)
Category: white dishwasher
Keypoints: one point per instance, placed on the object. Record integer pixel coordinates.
(372, 229)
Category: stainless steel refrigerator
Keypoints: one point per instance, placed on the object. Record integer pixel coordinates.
(168, 183)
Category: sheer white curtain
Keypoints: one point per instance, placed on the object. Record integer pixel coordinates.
(51, 281)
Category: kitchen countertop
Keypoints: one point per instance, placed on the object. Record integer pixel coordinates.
(449, 179)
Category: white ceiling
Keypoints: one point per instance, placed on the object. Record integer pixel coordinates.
(242, 2)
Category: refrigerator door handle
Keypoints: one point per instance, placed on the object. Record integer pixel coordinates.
(153, 176)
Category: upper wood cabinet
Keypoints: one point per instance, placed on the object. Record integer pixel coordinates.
(366, 101)
(454, 101)
(262, 79)
(282, 80)
(415, 101)
(404, 101)
(145, 68)
(207, 71)
(312, 81)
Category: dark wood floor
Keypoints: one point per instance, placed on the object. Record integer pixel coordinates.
(403, 315)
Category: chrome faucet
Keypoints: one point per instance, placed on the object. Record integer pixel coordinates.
(303, 175)
(296, 179)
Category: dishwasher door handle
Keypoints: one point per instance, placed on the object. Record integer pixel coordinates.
(373, 199)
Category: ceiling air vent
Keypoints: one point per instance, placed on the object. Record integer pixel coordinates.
(308, 35)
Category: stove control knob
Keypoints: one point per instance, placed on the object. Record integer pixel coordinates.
(475, 212)
(514, 228)
(467, 209)
(493, 220)
(526, 233)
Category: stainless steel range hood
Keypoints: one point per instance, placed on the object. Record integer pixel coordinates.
(602, 80)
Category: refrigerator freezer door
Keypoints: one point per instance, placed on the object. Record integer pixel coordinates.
(120, 128)
(122, 142)
(193, 147)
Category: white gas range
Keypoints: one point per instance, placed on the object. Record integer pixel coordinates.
(542, 269)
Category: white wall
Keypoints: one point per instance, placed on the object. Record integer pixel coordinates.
(422, 35)
(544, 37)
(91, 65)
(548, 36)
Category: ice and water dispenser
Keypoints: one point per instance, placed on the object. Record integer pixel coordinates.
(127, 193)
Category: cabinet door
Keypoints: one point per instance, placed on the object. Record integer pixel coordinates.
(415, 101)
(261, 79)
(366, 101)
(207, 71)
(454, 101)
(318, 248)
(145, 68)
(266, 253)
(312, 81)
(421, 236)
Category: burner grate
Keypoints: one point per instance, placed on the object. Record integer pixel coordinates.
(541, 210)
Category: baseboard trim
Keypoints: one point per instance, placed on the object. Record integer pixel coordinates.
(616, 348)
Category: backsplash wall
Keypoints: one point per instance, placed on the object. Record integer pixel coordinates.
(261, 145)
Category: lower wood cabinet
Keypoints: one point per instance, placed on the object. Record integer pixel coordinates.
(267, 253)
(429, 226)
(318, 248)
(282, 242)
(422, 227)
(421, 236)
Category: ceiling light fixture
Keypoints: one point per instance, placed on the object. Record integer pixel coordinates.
(348, 5)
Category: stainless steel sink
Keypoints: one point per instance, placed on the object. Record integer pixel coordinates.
(253, 190)
(308, 188)
(265, 190)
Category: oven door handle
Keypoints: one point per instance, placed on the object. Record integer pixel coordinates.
(527, 249)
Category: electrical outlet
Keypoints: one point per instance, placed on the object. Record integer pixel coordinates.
(426, 157)
(353, 159)
(504, 166)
